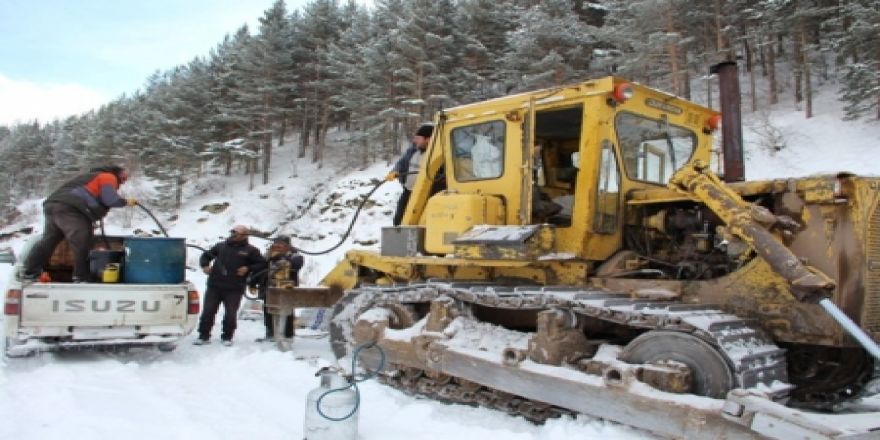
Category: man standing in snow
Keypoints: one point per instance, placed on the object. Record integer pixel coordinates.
(283, 272)
(70, 213)
(232, 260)
(407, 168)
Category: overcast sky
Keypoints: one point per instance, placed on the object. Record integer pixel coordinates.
(63, 57)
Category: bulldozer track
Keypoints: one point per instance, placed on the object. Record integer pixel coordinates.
(452, 390)
(752, 356)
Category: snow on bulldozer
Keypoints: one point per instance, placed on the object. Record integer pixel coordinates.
(583, 257)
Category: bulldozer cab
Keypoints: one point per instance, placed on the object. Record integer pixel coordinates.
(561, 157)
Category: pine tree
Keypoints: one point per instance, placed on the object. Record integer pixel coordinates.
(320, 27)
(381, 62)
(351, 91)
(654, 35)
(549, 47)
(484, 25)
(858, 23)
(422, 56)
(270, 63)
(28, 153)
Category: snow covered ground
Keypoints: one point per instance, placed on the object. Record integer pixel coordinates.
(251, 390)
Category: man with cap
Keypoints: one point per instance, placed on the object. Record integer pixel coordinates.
(283, 272)
(227, 264)
(407, 168)
(71, 212)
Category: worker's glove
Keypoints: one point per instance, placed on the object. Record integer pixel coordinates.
(131, 202)
(393, 175)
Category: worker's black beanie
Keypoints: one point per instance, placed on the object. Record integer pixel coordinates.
(426, 130)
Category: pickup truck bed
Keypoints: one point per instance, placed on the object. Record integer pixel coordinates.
(42, 316)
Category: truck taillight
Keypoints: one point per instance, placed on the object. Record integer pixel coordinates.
(13, 302)
(193, 304)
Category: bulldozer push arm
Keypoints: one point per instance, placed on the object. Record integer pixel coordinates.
(750, 223)
(747, 221)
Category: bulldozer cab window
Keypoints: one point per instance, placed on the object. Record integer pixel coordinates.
(478, 151)
(652, 149)
(608, 194)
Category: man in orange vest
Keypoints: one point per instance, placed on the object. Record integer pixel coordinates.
(70, 213)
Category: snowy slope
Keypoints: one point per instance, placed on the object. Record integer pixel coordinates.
(820, 145)
(253, 391)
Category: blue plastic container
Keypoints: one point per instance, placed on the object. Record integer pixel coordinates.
(154, 260)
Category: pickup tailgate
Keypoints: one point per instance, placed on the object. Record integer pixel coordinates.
(67, 304)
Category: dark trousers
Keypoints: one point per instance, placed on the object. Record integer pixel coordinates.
(270, 325)
(231, 299)
(63, 222)
(401, 206)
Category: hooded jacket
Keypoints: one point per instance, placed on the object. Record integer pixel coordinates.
(93, 194)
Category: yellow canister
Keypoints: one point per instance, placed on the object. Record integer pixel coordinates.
(110, 273)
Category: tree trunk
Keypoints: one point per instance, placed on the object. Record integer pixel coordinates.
(178, 191)
(798, 57)
(808, 86)
(877, 66)
(771, 64)
(750, 67)
(267, 156)
(306, 129)
(687, 83)
(672, 53)
(753, 88)
(747, 48)
(282, 130)
(719, 36)
(365, 149)
(251, 166)
(708, 90)
(319, 138)
(762, 56)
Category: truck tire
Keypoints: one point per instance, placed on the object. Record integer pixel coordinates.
(166, 347)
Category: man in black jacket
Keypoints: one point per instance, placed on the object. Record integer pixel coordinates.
(232, 260)
(283, 272)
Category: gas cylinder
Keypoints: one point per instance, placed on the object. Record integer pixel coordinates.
(331, 422)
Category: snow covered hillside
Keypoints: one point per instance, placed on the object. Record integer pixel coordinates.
(251, 390)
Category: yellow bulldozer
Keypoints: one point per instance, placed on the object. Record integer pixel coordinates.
(583, 257)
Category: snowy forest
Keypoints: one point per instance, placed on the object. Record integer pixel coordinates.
(350, 83)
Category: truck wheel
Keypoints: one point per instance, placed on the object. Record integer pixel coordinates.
(167, 347)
